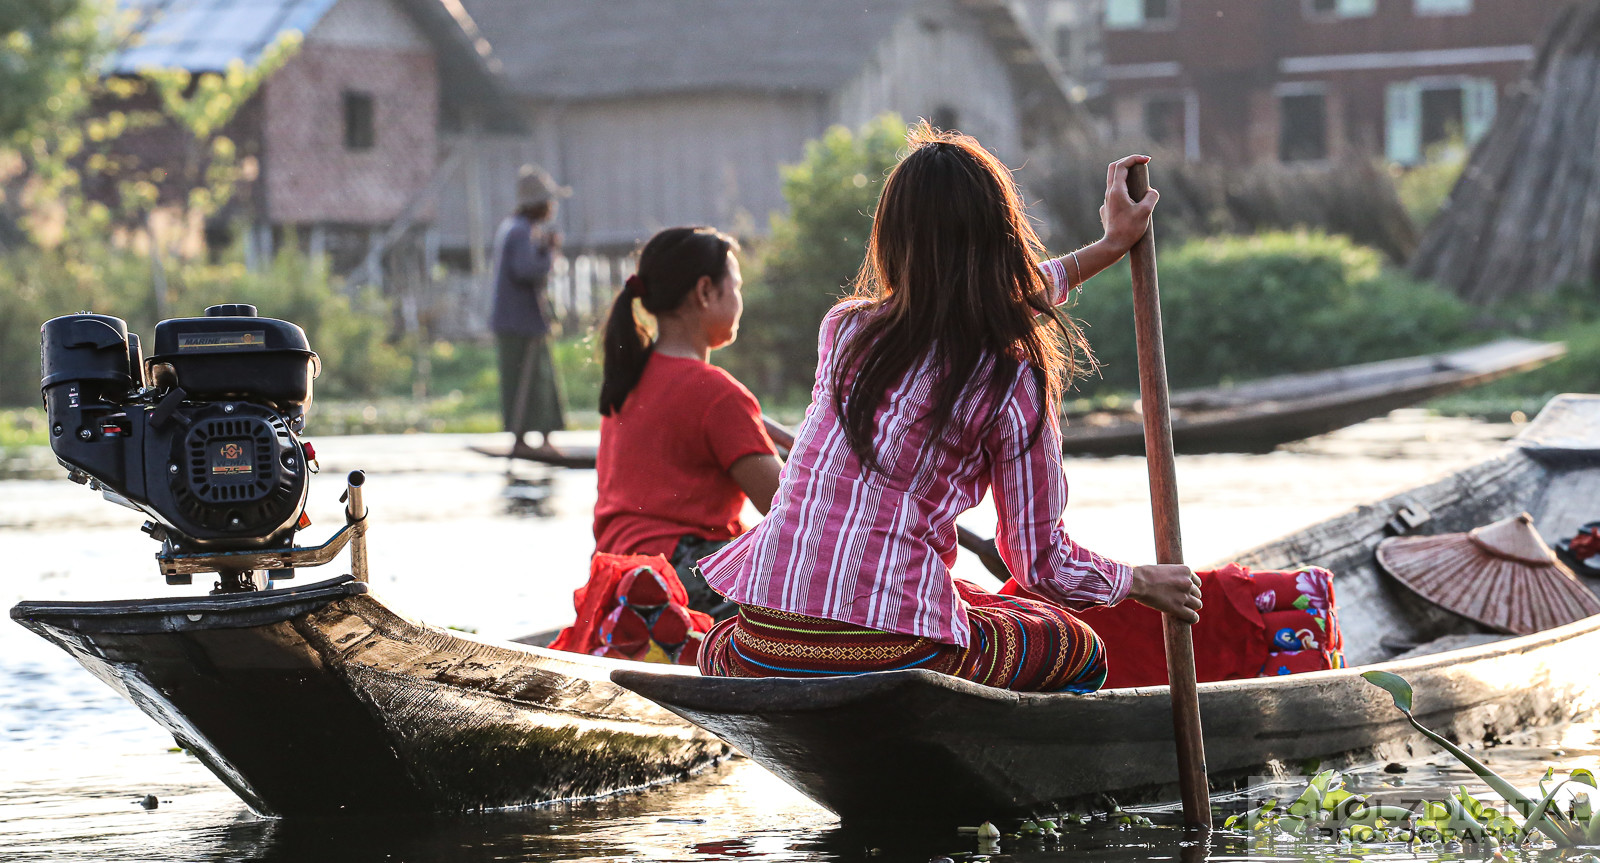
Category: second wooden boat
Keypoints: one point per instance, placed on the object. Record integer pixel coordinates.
(920, 745)
(1258, 416)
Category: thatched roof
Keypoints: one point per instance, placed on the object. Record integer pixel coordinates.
(560, 49)
(1525, 216)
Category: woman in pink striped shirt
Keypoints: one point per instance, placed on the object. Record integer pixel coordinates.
(937, 381)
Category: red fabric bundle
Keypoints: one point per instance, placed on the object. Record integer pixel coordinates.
(1586, 544)
(1244, 613)
(1296, 662)
(634, 607)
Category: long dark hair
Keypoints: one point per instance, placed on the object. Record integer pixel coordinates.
(950, 276)
(670, 265)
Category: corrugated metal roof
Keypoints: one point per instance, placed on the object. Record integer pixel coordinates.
(207, 35)
(561, 49)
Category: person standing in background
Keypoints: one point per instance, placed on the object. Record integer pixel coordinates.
(525, 247)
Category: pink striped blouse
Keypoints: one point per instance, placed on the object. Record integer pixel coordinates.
(875, 549)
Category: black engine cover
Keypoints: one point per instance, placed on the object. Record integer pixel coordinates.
(241, 477)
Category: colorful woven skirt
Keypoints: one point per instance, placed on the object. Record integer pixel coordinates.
(1015, 643)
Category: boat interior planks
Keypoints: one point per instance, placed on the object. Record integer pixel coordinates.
(916, 745)
(272, 689)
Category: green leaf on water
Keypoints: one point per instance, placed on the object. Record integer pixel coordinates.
(1547, 818)
(1478, 808)
(1332, 799)
(1395, 685)
(1309, 801)
(1255, 818)
(1583, 777)
(1461, 820)
(1360, 833)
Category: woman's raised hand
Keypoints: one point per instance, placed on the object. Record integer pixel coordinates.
(1170, 588)
(1123, 220)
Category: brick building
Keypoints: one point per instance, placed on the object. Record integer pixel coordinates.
(1302, 80)
(345, 139)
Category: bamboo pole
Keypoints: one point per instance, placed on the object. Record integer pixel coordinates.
(1164, 508)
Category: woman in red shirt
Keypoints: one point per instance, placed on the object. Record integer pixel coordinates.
(682, 444)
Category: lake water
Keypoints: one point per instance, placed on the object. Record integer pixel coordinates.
(75, 760)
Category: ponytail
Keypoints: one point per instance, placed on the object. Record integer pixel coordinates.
(670, 265)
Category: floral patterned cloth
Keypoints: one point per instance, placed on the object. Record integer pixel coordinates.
(1254, 624)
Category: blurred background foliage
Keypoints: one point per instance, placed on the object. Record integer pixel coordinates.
(1236, 308)
(811, 257)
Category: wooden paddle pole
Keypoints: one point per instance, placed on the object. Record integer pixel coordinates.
(1164, 507)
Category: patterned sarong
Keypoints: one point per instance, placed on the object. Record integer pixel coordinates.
(1016, 643)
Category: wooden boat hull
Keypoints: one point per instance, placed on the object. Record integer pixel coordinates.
(912, 745)
(915, 745)
(319, 700)
(1258, 416)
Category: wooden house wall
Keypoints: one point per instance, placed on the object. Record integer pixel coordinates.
(937, 62)
(639, 165)
(309, 175)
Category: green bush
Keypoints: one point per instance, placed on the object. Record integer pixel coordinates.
(1237, 308)
(1566, 315)
(812, 256)
(350, 333)
(578, 372)
(467, 368)
(1425, 188)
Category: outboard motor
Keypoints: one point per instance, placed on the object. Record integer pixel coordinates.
(201, 435)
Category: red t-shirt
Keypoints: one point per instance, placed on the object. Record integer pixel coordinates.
(664, 458)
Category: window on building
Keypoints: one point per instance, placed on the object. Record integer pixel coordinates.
(1443, 116)
(1132, 14)
(1064, 45)
(1160, 11)
(1302, 127)
(359, 132)
(1336, 9)
(1164, 121)
(1443, 7)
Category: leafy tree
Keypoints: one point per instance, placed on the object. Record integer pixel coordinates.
(47, 50)
(813, 254)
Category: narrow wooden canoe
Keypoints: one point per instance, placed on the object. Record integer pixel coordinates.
(917, 745)
(1259, 415)
(319, 700)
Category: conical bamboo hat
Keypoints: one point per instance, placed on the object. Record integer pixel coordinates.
(1501, 575)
